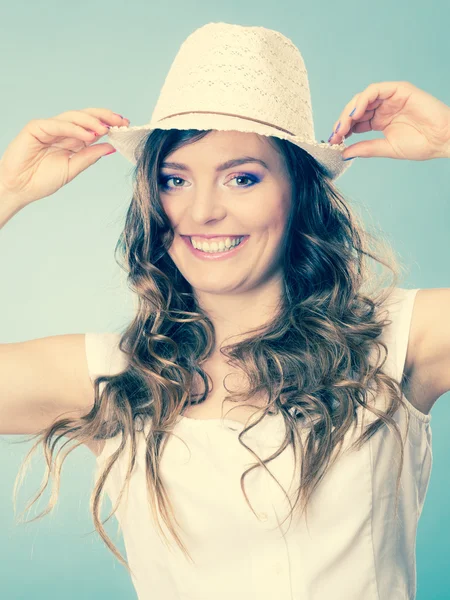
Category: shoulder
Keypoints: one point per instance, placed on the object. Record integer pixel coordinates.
(103, 354)
(103, 357)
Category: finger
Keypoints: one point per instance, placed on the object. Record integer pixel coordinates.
(370, 98)
(108, 116)
(81, 160)
(358, 105)
(85, 120)
(370, 148)
(348, 107)
(361, 126)
(94, 118)
(47, 131)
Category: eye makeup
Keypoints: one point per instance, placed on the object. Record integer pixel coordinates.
(164, 179)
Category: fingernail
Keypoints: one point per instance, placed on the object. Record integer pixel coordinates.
(122, 117)
(351, 158)
(330, 137)
(112, 151)
(105, 125)
(337, 128)
(351, 114)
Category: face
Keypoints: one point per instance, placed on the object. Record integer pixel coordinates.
(209, 202)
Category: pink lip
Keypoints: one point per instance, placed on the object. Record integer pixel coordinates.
(213, 255)
(208, 237)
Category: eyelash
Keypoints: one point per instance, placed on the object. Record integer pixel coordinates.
(165, 178)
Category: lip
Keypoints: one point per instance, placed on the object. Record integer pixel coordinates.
(214, 255)
(209, 237)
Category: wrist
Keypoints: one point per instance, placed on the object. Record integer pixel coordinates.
(9, 198)
(447, 145)
(9, 205)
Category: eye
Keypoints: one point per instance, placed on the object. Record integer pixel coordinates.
(164, 179)
(251, 178)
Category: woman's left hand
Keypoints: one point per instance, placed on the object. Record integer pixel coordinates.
(415, 124)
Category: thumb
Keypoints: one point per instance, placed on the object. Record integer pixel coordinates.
(83, 159)
(369, 148)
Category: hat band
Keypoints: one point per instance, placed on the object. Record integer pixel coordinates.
(208, 112)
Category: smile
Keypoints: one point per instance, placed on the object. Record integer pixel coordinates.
(221, 255)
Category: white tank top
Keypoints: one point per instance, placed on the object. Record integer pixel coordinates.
(352, 546)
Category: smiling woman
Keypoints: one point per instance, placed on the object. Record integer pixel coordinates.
(210, 204)
(293, 297)
(290, 307)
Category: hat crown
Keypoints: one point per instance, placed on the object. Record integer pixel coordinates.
(251, 72)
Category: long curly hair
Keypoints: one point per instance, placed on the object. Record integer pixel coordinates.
(313, 355)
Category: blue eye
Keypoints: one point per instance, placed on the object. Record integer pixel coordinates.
(164, 179)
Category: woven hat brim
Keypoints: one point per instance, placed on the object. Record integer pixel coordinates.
(129, 140)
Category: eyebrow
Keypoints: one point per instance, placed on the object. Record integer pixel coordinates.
(234, 162)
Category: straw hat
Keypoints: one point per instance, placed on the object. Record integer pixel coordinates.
(231, 77)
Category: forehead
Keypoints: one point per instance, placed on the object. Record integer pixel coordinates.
(223, 145)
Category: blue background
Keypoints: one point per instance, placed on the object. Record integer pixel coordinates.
(59, 274)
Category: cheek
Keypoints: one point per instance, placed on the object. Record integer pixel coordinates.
(278, 219)
(274, 208)
(171, 212)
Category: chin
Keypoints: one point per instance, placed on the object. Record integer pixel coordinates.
(214, 285)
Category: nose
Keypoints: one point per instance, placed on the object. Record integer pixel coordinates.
(206, 206)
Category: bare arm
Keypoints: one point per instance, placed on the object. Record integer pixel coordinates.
(428, 356)
(40, 380)
(44, 379)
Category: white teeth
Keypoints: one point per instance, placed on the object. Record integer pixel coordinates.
(217, 247)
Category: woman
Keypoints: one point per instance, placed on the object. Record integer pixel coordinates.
(312, 485)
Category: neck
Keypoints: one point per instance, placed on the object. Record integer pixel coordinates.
(235, 314)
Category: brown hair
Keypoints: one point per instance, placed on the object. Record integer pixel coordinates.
(313, 355)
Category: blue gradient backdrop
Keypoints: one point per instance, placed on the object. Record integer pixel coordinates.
(58, 271)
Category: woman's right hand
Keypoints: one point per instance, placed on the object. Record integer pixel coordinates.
(48, 153)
